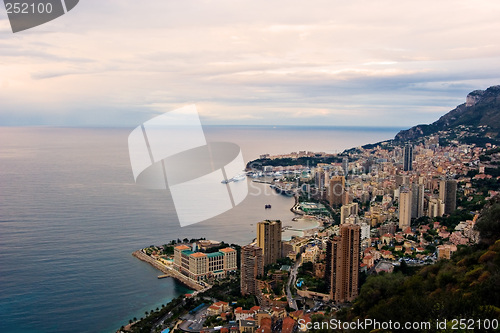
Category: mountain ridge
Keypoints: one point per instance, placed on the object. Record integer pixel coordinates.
(481, 108)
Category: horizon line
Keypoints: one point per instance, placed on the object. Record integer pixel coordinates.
(214, 125)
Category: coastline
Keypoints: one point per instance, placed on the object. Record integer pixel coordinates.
(169, 272)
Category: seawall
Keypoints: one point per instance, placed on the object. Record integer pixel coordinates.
(190, 283)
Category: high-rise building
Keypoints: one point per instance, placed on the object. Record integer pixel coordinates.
(408, 157)
(269, 240)
(252, 267)
(442, 190)
(451, 196)
(404, 207)
(436, 208)
(342, 264)
(448, 194)
(417, 198)
(345, 166)
(336, 191)
(402, 180)
(320, 177)
(348, 210)
(365, 230)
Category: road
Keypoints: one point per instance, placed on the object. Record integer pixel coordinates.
(291, 281)
(194, 322)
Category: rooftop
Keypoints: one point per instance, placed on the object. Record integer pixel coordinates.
(214, 254)
(227, 250)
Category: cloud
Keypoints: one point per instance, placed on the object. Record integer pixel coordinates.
(388, 62)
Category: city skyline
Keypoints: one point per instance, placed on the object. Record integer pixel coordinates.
(330, 63)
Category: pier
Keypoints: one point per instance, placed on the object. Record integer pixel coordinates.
(262, 181)
(296, 208)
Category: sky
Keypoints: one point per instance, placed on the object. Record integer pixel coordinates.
(387, 63)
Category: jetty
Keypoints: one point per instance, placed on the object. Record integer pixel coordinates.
(169, 272)
(296, 207)
(262, 181)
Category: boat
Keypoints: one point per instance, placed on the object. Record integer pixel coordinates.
(267, 206)
(236, 178)
(286, 189)
(239, 177)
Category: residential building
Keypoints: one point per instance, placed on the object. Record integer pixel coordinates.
(252, 267)
(405, 207)
(417, 198)
(269, 240)
(408, 157)
(448, 194)
(436, 208)
(336, 191)
(342, 264)
(348, 210)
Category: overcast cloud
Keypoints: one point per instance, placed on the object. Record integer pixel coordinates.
(365, 63)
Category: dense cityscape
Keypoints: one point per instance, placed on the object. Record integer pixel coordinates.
(249, 166)
(383, 209)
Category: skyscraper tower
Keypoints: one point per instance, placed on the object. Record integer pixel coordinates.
(336, 191)
(417, 198)
(345, 165)
(348, 210)
(320, 177)
(448, 194)
(408, 157)
(252, 266)
(404, 207)
(342, 264)
(269, 240)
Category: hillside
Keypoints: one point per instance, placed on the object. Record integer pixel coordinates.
(467, 286)
(482, 107)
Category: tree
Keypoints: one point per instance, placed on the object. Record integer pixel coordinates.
(489, 224)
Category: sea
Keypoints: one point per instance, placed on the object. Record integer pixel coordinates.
(71, 216)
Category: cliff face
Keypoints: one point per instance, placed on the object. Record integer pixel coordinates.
(481, 107)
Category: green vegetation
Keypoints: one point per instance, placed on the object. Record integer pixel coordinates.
(467, 286)
(258, 164)
(170, 312)
(454, 218)
(467, 122)
(306, 274)
(228, 290)
(213, 321)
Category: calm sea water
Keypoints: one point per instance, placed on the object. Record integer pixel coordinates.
(71, 215)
